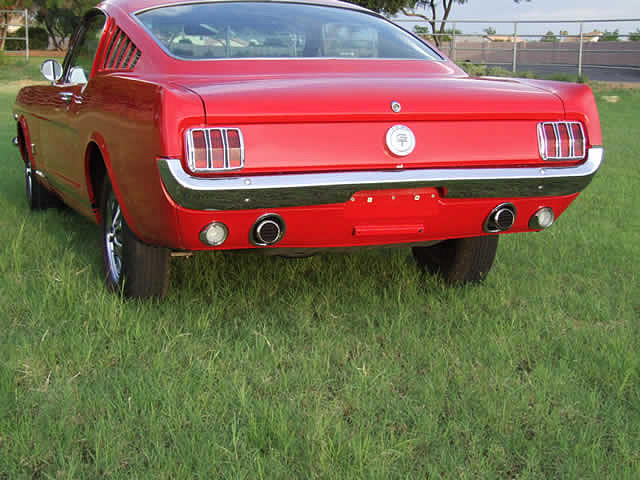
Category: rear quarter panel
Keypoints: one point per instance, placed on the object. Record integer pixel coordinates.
(134, 122)
(579, 104)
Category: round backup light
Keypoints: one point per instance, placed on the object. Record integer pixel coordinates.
(542, 219)
(214, 234)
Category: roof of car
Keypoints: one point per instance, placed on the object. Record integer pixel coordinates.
(132, 6)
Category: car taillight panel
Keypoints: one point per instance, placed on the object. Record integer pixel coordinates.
(561, 141)
(214, 149)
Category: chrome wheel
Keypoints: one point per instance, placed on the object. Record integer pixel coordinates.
(131, 268)
(113, 237)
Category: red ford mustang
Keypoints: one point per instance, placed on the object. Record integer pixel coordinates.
(290, 127)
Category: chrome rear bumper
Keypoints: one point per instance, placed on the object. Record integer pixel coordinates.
(302, 189)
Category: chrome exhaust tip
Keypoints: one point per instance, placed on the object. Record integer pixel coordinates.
(268, 230)
(501, 218)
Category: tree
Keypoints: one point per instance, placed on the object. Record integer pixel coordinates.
(5, 18)
(446, 37)
(608, 36)
(61, 17)
(420, 30)
(387, 7)
(635, 36)
(490, 31)
(439, 9)
(437, 31)
(549, 37)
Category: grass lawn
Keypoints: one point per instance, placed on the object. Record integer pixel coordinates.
(337, 366)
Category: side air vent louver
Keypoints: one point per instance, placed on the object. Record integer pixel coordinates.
(122, 53)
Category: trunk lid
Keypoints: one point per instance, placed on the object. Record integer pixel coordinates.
(340, 122)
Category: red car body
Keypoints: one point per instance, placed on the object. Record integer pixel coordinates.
(313, 135)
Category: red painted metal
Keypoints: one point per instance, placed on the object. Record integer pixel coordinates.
(334, 225)
(319, 115)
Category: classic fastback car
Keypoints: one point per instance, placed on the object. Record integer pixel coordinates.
(291, 127)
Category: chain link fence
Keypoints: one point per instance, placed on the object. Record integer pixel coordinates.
(584, 47)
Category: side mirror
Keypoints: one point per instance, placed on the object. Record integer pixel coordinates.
(51, 70)
(76, 75)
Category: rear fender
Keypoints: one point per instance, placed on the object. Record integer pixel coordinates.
(125, 206)
(25, 143)
(579, 104)
(99, 141)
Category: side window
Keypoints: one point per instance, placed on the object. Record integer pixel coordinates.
(84, 49)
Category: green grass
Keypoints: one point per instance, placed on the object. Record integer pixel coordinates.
(336, 366)
(481, 70)
(18, 69)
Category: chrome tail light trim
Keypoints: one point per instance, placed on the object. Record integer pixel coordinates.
(190, 149)
(302, 189)
(543, 141)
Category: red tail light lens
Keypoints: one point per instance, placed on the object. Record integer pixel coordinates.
(235, 148)
(217, 149)
(578, 140)
(551, 141)
(565, 140)
(199, 150)
(214, 149)
(561, 141)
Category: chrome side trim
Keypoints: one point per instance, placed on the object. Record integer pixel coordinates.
(301, 189)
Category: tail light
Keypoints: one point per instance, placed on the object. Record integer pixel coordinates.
(214, 149)
(561, 141)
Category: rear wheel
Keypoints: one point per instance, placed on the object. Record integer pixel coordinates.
(131, 266)
(460, 260)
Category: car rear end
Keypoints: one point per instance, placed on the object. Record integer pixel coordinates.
(328, 137)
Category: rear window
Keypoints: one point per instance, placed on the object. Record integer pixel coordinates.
(278, 30)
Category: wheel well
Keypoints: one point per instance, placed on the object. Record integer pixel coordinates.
(96, 170)
(22, 144)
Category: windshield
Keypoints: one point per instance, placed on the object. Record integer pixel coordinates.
(278, 30)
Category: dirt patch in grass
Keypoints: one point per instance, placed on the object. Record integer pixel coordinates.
(18, 84)
(615, 85)
(38, 53)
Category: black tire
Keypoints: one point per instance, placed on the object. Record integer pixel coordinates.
(38, 197)
(460, 260)
(132, 267)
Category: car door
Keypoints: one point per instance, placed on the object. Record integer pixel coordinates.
(65, 142)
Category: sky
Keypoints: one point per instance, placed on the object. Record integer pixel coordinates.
(546, 10)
